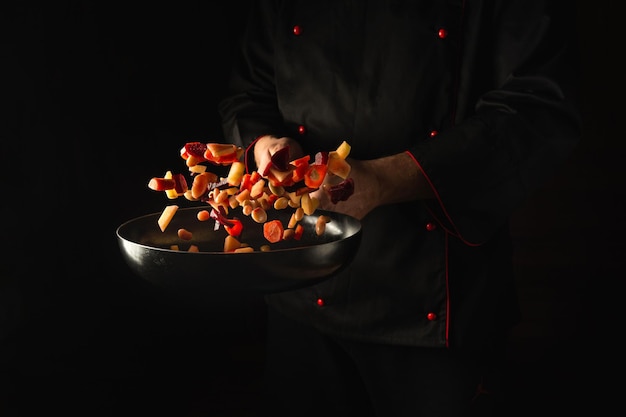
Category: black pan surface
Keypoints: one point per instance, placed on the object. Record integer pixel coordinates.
(288, 265)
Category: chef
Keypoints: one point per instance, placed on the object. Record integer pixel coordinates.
(456, 111)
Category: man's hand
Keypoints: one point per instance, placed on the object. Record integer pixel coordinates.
(386, 180)
(266, 146)
(377, 182)
(362, 201)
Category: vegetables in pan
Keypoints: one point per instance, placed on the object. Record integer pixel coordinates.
(280, 185)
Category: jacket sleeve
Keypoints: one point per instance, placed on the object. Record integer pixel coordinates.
(519, 133)
(252, 109)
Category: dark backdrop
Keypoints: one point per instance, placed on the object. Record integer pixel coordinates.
(97, 99)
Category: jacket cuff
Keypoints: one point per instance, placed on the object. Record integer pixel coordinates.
(438, 210)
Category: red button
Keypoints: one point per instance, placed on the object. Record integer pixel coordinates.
(431, 316)
(297, 30)
(442, 33)
(320, 302)
(301, 130)
(430, 226)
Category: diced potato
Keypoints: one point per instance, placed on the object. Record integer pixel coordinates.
(244, 249)
(232, 202)
(243, 196)
(171, 193)
(221, 149)
(294, 198)
(166, 216)
(231, 243)
(338, 165)
(197, 169)
(281, 176)
(343, 150)
(235, 174)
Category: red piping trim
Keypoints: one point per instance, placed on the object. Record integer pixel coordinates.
(443, 208)
(248, 149)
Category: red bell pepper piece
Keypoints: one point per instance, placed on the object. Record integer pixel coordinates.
(245, 182)
(254, 177)
(301, 165)
(234, 227)
(248, 180)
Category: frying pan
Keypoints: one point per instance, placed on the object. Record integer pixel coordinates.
(289, 264)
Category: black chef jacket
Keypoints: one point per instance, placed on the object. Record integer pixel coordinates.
(480, 93)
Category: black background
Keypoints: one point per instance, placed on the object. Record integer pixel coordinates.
(98, 98)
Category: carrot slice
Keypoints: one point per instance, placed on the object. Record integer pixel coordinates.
(314, 175)
(273, 231)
